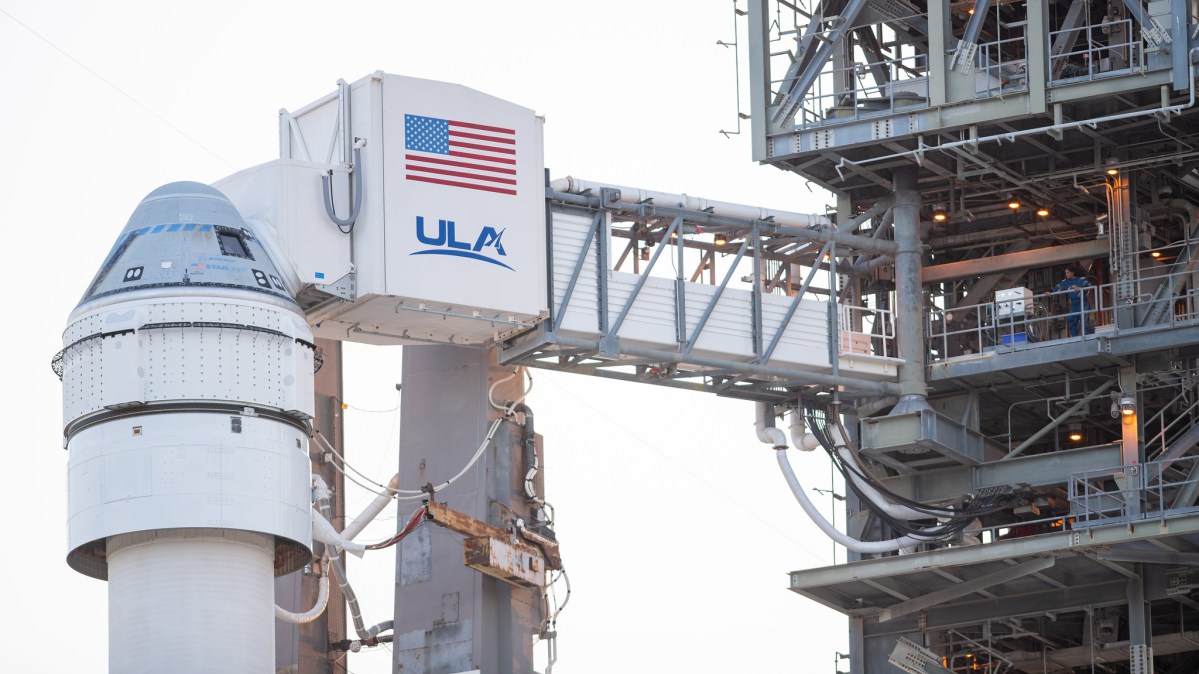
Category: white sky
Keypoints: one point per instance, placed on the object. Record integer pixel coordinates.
(676, 528)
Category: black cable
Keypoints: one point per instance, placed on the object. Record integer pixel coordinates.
(952, 520)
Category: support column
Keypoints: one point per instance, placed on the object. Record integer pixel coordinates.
(448, 617)
(909, 301)
(304, 649)
(1130, 438)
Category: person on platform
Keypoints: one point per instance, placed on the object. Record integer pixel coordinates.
(1077, 288)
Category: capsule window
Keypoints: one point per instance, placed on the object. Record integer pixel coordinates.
(233, 243)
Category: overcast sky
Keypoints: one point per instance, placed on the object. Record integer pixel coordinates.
(675, 526)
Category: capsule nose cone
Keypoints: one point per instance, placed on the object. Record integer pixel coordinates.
(184, 236)
(185, 188)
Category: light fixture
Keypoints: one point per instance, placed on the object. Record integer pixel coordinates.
(1043, 212)
(1128, 406)
(1155, 254)
(1075, 432)
(720, 240)
(939, 213)
(1112, 169)
(1013, 203)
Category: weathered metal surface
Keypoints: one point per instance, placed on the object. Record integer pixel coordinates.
(512, 563)
(445, 516)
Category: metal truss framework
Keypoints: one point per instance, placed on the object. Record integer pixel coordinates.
(1081, 115)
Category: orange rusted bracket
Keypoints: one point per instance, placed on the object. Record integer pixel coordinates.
(496, 552)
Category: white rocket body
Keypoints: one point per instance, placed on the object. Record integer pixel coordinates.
(187, 375)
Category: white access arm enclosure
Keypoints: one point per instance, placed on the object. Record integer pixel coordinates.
(448, 242)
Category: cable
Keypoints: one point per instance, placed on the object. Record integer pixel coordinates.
(413, 522)
(952, 519)
(329, 446)
(345, 405)
(117, 89)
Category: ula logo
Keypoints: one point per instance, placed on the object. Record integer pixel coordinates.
(487, 247)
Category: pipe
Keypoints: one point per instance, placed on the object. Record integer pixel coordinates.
(764, 425)
(372, 510)
(323, 531)
(339, 571)
(904, 543)
(802, 440)
(634, 195)
(322, 599)
(909, 317)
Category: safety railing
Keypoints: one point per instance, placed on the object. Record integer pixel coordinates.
(852, 92)
(1097, 51)
(1138, 491)
(996, 73)
(1160, 301)
(1171, 421)
(866, 331)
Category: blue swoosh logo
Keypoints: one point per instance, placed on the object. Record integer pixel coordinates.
(463, 253)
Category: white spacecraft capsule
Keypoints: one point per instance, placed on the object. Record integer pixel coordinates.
(187, 374)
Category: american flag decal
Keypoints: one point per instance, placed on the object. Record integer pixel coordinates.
(460, 154)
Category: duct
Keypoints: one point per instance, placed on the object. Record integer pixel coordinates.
(633, 195)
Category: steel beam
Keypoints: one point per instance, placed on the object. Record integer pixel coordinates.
(1018, 260)
(965, 588)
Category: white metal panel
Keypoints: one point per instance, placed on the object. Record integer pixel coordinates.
(728, 333)
(285, 196)
(465, 227)
(191, 361)
(192, 602)
(177, 470)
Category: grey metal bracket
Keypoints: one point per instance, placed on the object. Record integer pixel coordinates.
(345, 287)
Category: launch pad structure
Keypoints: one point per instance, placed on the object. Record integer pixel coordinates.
(994, 334)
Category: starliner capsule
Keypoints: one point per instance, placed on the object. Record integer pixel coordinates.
(187, 374)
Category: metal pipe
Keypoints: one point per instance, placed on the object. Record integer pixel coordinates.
(635, 195)
(822, 234)
(909, 329)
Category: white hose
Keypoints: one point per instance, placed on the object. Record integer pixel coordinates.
(371, 511)
(322, 599)
(903, 543)
(323, 531)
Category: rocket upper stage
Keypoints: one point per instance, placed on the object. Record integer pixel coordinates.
(187, 236)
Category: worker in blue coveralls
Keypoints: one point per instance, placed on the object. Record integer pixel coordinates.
(1077, 284)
